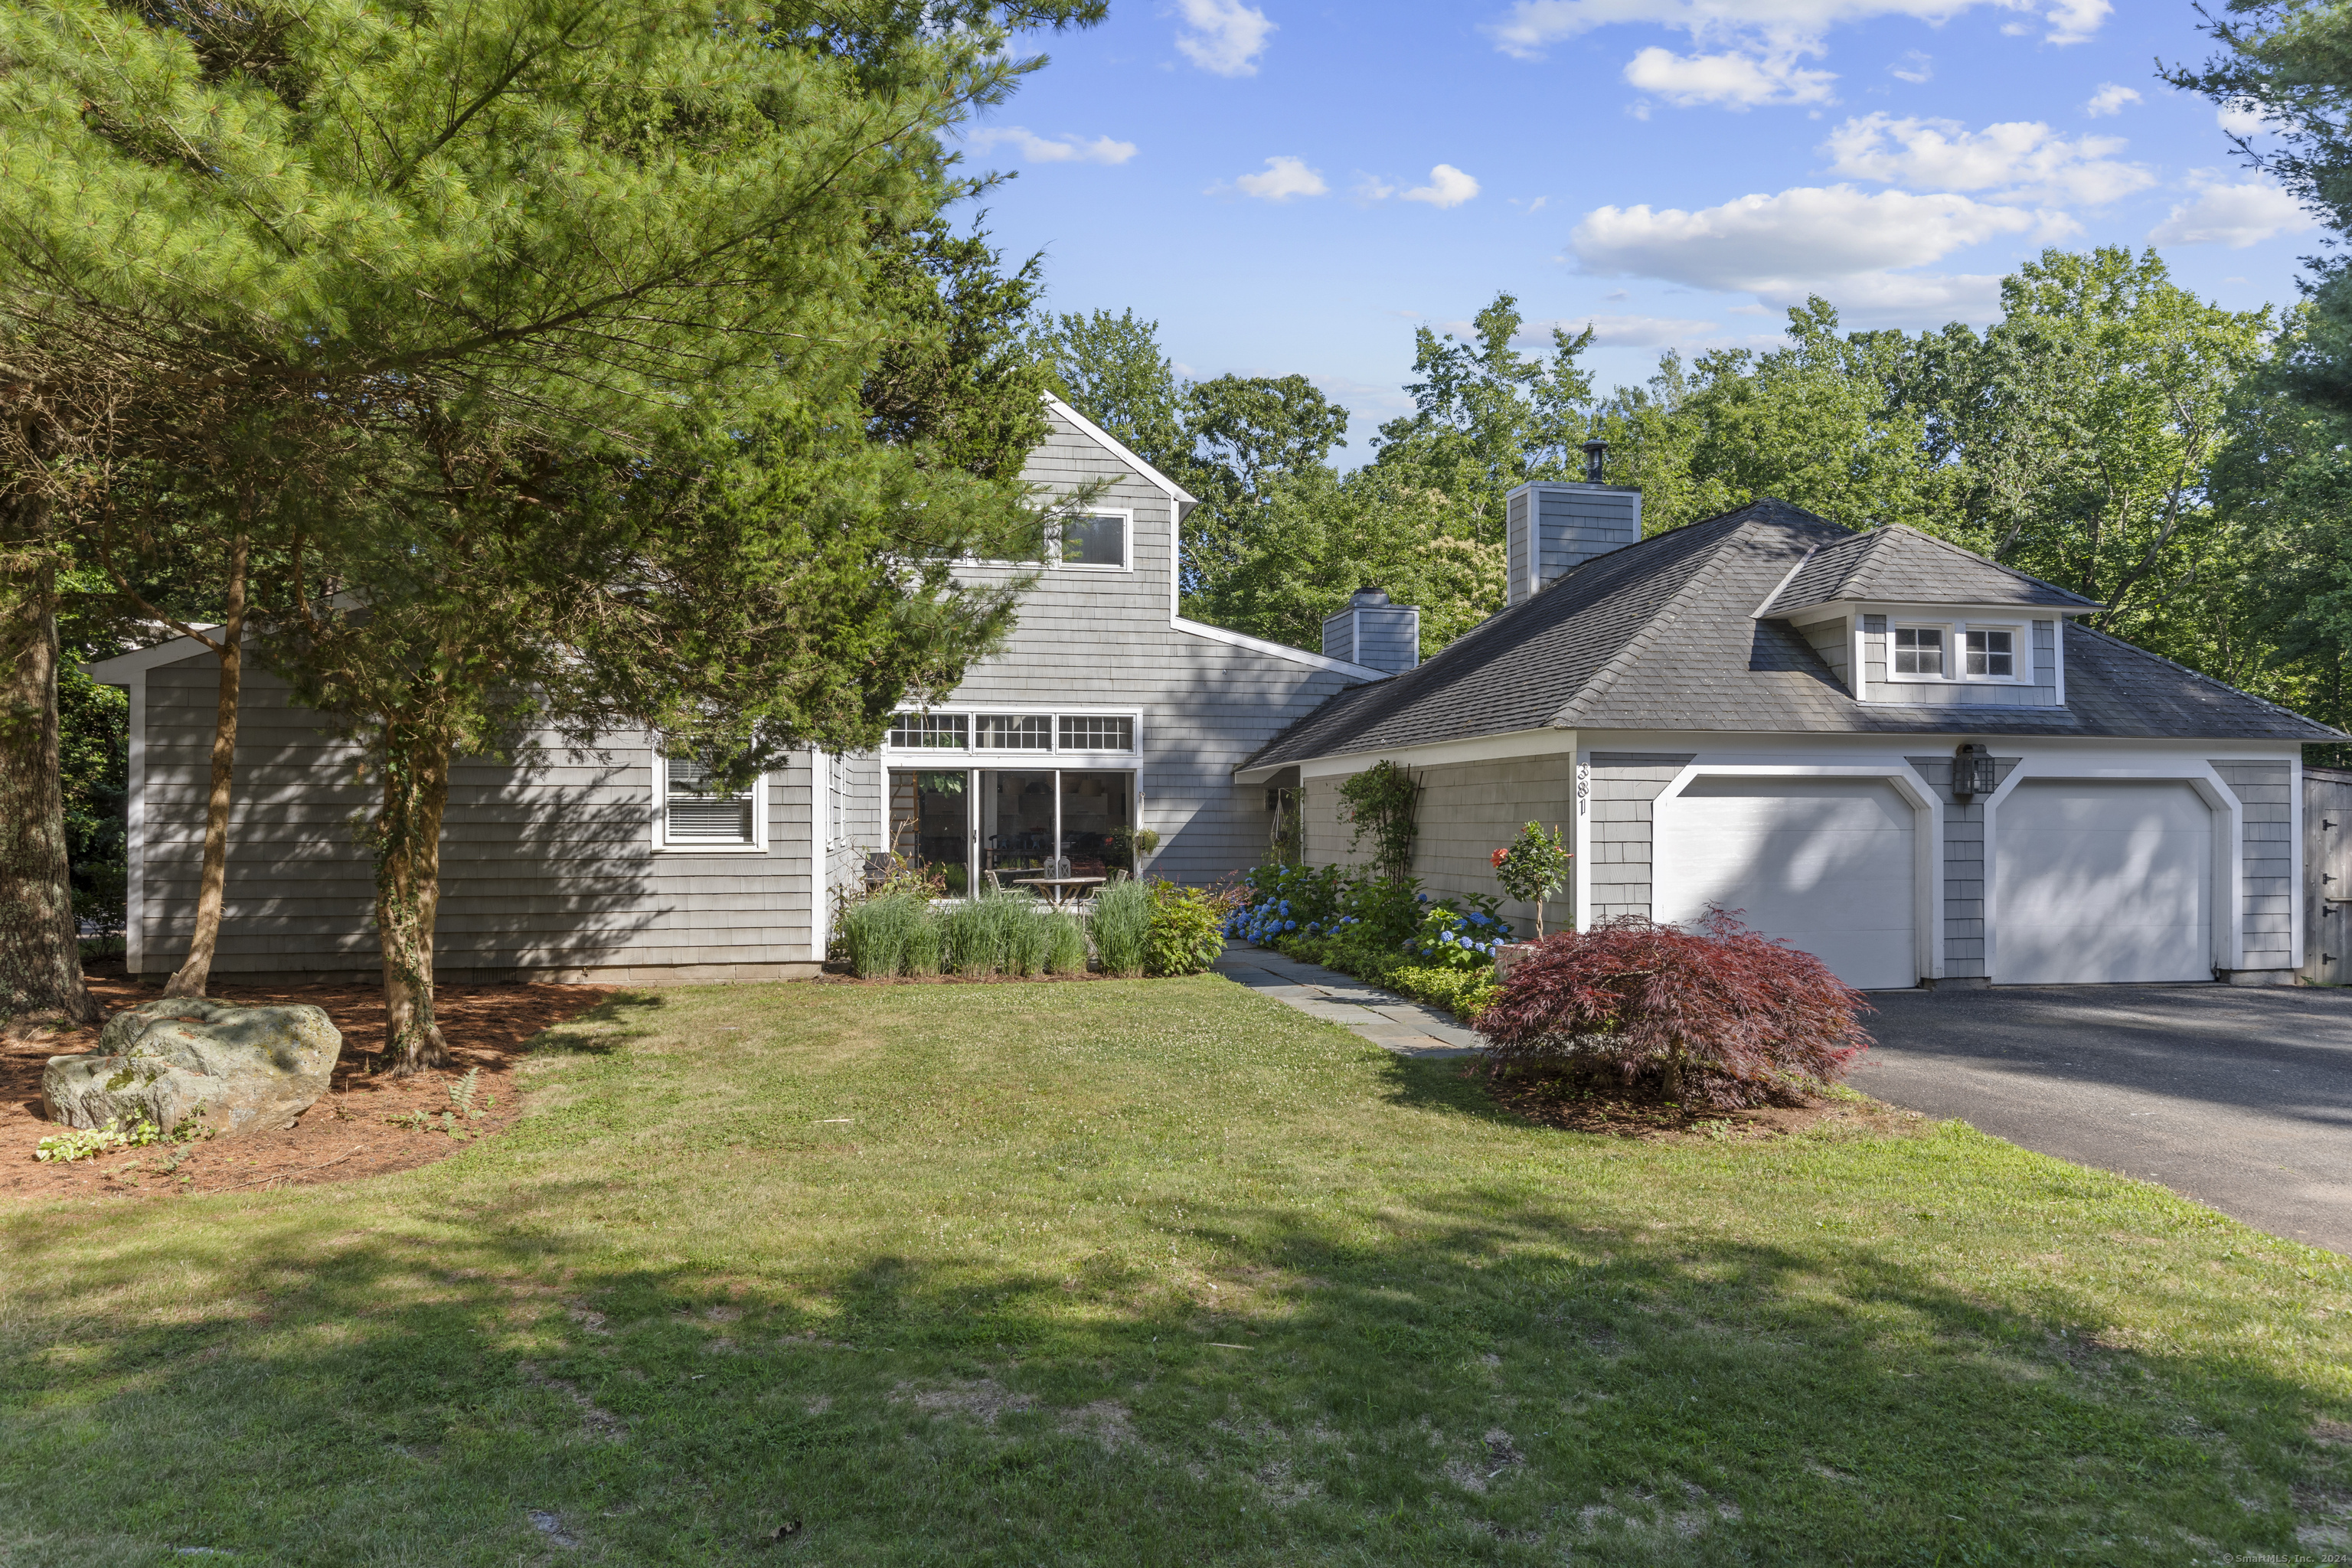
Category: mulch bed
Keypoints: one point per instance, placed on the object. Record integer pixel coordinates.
(346, 1133)
(1549, 1103)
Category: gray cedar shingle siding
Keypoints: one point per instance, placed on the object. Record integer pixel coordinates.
(547, 869)
(1967, 878)
(1519, 545)
(1576, 522)
(1831, 641)
(1467, 812)
(1094, 638)
(1662, 636)
(1625, 789)
(2266, 817)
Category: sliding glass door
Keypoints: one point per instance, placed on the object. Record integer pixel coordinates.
(962, 825)
(930, 823)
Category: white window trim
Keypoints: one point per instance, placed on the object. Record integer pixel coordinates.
(1126, 514)
(1955, 651)
(971, 756)
(662, 844)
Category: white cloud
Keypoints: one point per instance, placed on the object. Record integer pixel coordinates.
(1531, 26)
(1285, 177)
(1448, 187)
(2240, 119)
(1623, 331)
(1732, 79)
(1914, 67)
(1840, 242)
(1224, 36)
(1064, 149)
(2110, 98)
(2074, 21)
(2235, 216)
(2021, 159)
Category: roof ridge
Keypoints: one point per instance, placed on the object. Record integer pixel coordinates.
(1886, 528)
(1639, 639)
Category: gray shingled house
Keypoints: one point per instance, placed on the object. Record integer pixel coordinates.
(1900, 756)
(1105, 712)
(1903, 757)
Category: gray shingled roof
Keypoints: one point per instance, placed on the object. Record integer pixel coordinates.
(1662, 636)
(1901, 566)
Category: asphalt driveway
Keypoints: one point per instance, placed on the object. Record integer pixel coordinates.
(2239, 1099)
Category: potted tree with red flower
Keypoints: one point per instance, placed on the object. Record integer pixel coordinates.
(1532, 868)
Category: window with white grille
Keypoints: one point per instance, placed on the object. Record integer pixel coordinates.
(1093, 733)
(1012, 732)
(1991, 654)
(1918, 650)
(930, 732)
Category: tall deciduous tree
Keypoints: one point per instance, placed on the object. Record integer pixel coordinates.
(1487, 418)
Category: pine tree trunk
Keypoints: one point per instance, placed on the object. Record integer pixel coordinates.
(408, 893)
(212, 888)
(41, 946)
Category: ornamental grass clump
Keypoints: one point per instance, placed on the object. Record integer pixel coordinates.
(1065, 946)
(1121, 925)
(875, 934)
(1721, 1017)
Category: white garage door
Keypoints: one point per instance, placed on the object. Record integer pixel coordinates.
(2106, 882)
(1826, 864)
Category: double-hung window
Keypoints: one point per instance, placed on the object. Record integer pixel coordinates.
(1990, 654)
(694, 812)
(1956, 651)
(1918, 650)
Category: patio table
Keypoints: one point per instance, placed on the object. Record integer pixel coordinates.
(1059, 890)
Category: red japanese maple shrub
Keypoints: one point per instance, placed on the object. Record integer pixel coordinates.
(1719, 1017)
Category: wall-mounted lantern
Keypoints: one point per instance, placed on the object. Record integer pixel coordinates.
(1973, 773)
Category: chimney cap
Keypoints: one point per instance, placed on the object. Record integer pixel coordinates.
(1369, 594)
(1596, 455)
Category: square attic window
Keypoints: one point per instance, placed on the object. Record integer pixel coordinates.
(1095, 539)
(1918, 650)
(1993, 655)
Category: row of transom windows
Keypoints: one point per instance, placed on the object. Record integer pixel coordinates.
(1013, 733)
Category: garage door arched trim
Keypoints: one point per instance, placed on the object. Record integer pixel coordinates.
(2229, 849)
(1927, 837)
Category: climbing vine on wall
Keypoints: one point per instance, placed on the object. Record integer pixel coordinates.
(1379, 804)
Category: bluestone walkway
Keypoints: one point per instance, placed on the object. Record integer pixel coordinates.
(1393, 1022)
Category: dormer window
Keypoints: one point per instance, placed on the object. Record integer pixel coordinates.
(1919, 650)
(1993, 655)
(1956, 652)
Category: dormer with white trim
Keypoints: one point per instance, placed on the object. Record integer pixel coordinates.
(1905, 620)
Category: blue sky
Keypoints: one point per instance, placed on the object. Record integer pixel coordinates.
(1290, 186)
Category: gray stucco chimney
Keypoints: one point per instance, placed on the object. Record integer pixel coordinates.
(1552, 527)
(1372, 631)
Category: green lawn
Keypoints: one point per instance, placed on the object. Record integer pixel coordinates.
(1153, 1272)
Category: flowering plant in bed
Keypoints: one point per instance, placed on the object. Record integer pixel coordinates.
(1363, 923)
(1453, 937)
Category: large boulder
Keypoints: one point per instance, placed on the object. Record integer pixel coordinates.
(168, 1060)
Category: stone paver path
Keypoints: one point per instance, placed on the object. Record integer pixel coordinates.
(1388, 1020)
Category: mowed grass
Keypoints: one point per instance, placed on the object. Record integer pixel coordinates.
(1153, 1272)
